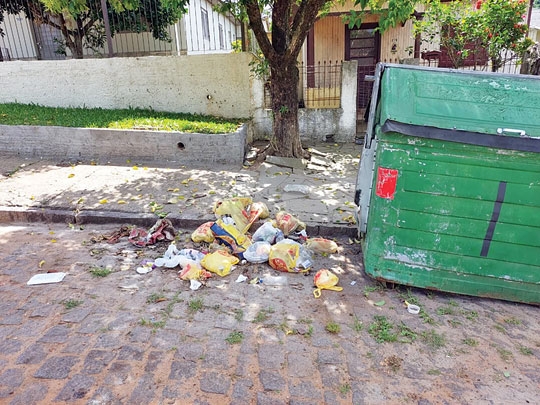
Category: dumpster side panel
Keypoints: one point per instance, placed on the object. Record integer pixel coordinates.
(454, 217)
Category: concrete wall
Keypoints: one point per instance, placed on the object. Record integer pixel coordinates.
(217, 85)
(318, 124)
(214, 84)
(117, 145)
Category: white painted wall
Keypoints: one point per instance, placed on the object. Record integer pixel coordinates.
(213, 84)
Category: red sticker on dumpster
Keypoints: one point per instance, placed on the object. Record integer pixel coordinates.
(386, 182)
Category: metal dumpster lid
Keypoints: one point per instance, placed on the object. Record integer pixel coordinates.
(470, 101)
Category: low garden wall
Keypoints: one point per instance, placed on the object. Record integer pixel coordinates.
(112, 144)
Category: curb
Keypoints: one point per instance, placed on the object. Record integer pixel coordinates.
(99, 217)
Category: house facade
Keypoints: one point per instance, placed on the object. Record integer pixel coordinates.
(202, 30)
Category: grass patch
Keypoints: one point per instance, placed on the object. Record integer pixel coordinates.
(154, 298)
(357, 325)
(525, 351)
(195, 305)
(31, 114)
(448, 310)
(100, 271)
(344, 389)
(234, 337)
(512, 321)
(333, 327)
(382, 330)
(433, 339)
(153, 324)
(263, 315)
(470, 342)
(238, 314)
(506, 355)
(70, 304)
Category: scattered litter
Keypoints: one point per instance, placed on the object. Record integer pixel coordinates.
(129, 287)
(297, 188)
(275, 280)
(267, 232)
(321, 245)
(353, 282)
(194, 284)
(161, 231)
(46, 278)
(379, 303)
(289, 256)
(241, 278)
(288, 223)
(203, 233)
(258, 252)
(146, 267)
(412, 309)
(325, 280)
(219, 262)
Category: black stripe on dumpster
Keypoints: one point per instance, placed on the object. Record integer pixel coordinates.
(494, 218)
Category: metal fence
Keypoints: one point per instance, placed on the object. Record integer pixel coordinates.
(511, 63)
(319, 86)
(28, 31)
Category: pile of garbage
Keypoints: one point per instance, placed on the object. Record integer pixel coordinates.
(282, 242)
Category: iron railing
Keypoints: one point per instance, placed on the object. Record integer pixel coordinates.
(28, 31)
(319, 86)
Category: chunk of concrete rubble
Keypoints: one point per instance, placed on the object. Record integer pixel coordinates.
(293, 163)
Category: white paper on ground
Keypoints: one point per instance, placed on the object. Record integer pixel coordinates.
(46, 278)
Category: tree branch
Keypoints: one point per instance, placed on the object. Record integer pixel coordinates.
(256, 24)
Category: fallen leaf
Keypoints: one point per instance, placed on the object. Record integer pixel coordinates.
(379, 303)
(122, 202)
(71, 175)
(174, 190)
(103, 201)
(41, 263)
(53, 240)
(135, 168)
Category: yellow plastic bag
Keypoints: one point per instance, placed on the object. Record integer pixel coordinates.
(219, 262)
(288, 223)
(325, 280)
(321, 245)
(193, 271)
(236, 209)
(284, 255)
(203, 233)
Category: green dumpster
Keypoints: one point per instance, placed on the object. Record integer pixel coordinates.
(448, 189)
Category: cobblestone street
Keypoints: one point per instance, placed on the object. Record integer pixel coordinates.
(129, 338)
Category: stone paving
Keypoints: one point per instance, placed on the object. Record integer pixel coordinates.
(129, 338)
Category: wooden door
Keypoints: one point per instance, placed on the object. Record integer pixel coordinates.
(363, 45)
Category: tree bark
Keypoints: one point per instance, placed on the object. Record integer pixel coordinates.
(283, 87)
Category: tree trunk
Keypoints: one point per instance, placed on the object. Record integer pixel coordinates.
(283, 87)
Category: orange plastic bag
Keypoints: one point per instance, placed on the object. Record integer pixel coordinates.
(321, 245)
(288, 223)
(219, 262)
(203, 233)
(325, 280)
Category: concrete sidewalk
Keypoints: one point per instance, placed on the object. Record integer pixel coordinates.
(319, 192)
